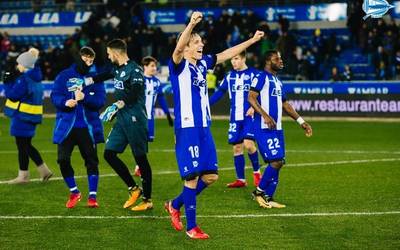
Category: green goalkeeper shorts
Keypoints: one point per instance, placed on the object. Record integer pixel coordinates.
(132, 133)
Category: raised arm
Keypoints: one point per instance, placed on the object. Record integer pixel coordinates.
(183, 40)
(288, 108)
(235, 50)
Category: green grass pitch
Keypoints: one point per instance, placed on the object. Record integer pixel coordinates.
(341, 188)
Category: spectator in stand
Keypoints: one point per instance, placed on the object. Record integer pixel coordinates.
(397, 65)
(382, 71)
(283, 24)
(5, 45)
(347, 74)
(335, 76)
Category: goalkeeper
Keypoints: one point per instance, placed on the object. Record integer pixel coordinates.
(131, 123)
(78, 123)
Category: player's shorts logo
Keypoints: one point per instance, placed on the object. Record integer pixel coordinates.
(375, 8)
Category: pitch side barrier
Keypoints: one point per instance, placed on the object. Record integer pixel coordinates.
(321, 98)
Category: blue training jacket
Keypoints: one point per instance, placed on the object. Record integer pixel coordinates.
(24, 104)
(95, 98)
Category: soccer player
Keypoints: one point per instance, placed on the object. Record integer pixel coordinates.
(240, 132)
(24, 105)
(131, 125)
(154, 92)
(78, 123)
(194, 147)
(268, 100)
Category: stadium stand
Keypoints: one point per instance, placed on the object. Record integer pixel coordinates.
(309, 54)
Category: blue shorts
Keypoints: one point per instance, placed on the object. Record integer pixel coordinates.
(271, 144)
(240, 130)
(150, 133)
(195, 152)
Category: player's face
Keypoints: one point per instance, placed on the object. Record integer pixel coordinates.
(112, 55)
(238, 62)
(276, 62)
(88, 60)
(195, 47)
(150, 69)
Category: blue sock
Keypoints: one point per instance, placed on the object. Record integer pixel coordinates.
(267, 177)
(270, 191)
(254, 161)
(70, 181)
(178, 201)
(189, 198)
(239, 166)
(93, 181)
(201, 185)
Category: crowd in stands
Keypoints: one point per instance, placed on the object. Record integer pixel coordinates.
(307, 60)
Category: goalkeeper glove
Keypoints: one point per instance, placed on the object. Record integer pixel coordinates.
(75, 84)
(78, 83)
(109, 114)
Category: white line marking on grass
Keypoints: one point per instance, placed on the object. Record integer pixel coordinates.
(311, 151)
(309, 164)
(216, 216)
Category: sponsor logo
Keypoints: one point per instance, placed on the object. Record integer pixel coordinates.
(276, 92)
(118, 84)
(8, 19)
(370, 90)
(46, 18)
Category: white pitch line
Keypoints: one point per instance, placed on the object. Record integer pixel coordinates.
(229, 150)
(309, 164)
(216, 216)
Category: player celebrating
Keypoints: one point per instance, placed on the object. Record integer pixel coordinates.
(240, 133)
(131, 125)
(154, 92)
(194, 148)
(78, 123)
(268, 100)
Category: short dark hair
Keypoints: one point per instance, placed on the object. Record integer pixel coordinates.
(147, 60)
(243, 54)
(87, 51)
(191, 35)
(117, 44)
(269, 54)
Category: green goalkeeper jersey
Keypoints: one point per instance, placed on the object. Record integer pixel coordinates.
(130, 87)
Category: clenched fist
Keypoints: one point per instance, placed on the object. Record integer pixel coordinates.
(196, 17)
(258, 35)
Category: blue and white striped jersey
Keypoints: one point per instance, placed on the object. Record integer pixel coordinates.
(238, 85)
(153, 87)
(271, 98)
(189, 85)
